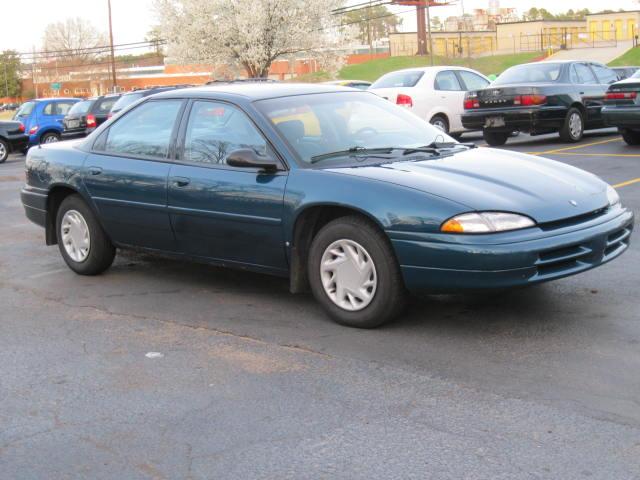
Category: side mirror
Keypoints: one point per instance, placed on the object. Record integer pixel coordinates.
(247, 158)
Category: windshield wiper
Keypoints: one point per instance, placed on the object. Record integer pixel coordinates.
(435, 147)
(351, 152)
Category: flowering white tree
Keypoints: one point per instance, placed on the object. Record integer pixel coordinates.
(252, 33)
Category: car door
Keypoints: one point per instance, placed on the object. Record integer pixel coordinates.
(56, 112)
(450, 96)
(126, 175)
(221, 212)
(589, 90)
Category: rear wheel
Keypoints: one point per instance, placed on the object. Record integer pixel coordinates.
(495, 139)
(632, 137)
(4, 151)
(573, 127)
(440, 122)
(50, 137)
(354, 274)
(83, 244)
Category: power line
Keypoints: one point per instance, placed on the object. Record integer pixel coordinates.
(93, 53)
(359, 6)
(44, 53)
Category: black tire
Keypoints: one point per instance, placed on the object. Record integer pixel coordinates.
(101, 250)
(495, 139)
(566, 133)
(4, 151)
(389, 297)
(632, 137)
(440, 122)
(50, 137)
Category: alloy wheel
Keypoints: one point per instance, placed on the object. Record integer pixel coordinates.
(348, 275)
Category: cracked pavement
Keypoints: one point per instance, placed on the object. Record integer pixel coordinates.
(255, 383)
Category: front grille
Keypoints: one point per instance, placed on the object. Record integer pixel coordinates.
(571, 221)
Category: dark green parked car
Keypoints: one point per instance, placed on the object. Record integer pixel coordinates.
(622, 108)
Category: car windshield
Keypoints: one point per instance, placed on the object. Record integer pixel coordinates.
(126, 100)
(541, 72)
(343, 127)
(636, 74)
(80, 108)
(398, 79)
(26, 109)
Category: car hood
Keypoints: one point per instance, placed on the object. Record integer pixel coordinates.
(484, 179)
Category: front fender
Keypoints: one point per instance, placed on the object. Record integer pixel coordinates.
(392, 207)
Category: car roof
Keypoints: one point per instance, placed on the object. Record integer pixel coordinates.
(54, 98)
(255, 91)
(436, 68)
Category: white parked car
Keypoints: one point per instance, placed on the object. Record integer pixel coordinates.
(435, 94)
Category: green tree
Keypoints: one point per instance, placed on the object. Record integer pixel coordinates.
(379, 19)
(10, 67)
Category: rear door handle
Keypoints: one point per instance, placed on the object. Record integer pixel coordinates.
(95, 170)
(181, 181)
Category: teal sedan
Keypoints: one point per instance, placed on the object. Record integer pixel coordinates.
(342, 192)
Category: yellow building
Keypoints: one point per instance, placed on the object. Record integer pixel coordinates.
(445, 44)
(539, 35)
(613, 26)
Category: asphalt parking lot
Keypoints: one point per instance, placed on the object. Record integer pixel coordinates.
(165, 370)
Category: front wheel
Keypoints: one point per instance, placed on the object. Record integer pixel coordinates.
(84, 246)
(631, 137)
(573, 127)
(4, 151)
(495, 139)
(354, 274)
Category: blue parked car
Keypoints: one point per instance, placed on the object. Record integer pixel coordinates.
(42, 118)
(337, 189)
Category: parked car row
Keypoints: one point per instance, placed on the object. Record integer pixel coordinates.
(8, 107)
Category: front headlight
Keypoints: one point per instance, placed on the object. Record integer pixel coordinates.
(612, 196)
(486, 222)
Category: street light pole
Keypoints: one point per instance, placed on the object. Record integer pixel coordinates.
(113, 58)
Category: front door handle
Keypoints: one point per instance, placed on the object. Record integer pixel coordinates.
(95, 170)
(181, 181)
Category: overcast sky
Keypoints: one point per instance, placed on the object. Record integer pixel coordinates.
(24, 21)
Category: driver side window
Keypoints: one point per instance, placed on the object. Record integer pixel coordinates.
(216, 129)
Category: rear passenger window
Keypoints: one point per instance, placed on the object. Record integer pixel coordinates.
(144, 131)
(215, 130)
(62, 108)
(447, 80)
(584, 74)
(604, 74)
(48, 109)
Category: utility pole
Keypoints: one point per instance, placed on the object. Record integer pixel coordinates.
(113, 58)
(369, 29)
(429, 33)
(422, 30)
(33, 71)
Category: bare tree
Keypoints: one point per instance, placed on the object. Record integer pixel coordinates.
(74, 40)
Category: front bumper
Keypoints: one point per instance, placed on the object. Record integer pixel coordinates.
(532, 120)
(452, 263)
(622, 116)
